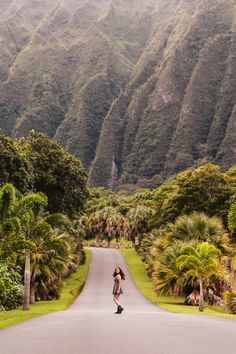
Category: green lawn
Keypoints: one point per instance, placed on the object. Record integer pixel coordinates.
(172, 304)
(71, 289)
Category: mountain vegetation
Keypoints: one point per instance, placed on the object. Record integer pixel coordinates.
(138, 89)
(42, 193)
(37, 163)
(40, 248)
(184, 231)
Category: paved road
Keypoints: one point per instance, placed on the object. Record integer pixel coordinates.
(91, 327)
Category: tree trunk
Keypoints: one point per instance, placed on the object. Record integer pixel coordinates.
(27, 282)
(32, 292)
(201, 298)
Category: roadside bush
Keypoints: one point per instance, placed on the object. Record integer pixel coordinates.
(230, 301)
(11, 289)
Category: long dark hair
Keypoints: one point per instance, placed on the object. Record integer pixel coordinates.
(122, 274)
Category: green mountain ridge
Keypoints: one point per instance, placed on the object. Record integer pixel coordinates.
(139, 90)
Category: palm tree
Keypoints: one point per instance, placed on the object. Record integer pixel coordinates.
(114, 226)
(152, 248)
(199, 264)
(106, 222)
(167, 276)
(53, 257)
(147, 244)
(11, 238)
(230, 301)
(201, 228)
(17, 215)
(43, 244)
(138, 220)
(51, 261)
(29, 209)
(161, 248)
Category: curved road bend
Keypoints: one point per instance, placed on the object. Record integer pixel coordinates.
(91, 327)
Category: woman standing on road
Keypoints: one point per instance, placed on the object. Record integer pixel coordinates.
(119, 276)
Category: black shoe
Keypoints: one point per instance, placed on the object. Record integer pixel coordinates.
(120, 309)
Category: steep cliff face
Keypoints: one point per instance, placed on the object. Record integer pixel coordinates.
(138, 89)
(181, 95)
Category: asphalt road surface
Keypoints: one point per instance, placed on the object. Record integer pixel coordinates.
(91, 327)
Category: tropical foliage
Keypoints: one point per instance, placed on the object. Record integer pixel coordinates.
(232, 218)
(196, 209)
(45, 246)
(198, 265)
(38, 247)
(57, 173)
(230, 301)
(184, 230)
(114, 219)
(11, 288)
(36, 163)
(14, 166)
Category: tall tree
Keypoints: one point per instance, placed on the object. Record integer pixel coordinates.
(29, 209)
(57, 173)
(200, 264)
(106, 223)
(138, 221)
(167, 276)
(11, 236)
(50, 261)
(204, 189)
(15, 168)
(200, 228)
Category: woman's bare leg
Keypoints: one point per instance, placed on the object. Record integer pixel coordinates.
(116, 299)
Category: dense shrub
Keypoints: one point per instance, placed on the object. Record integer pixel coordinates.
(230, 301)
(11, 289)
(14, 166)
(57, 173)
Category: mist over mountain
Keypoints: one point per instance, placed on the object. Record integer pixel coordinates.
(138, 89)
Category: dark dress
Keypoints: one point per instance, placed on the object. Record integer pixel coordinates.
(116, 286)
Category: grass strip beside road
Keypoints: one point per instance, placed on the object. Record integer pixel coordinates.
(169, 303)
(71, 289)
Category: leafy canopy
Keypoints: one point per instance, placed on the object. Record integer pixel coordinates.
(58, 174)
